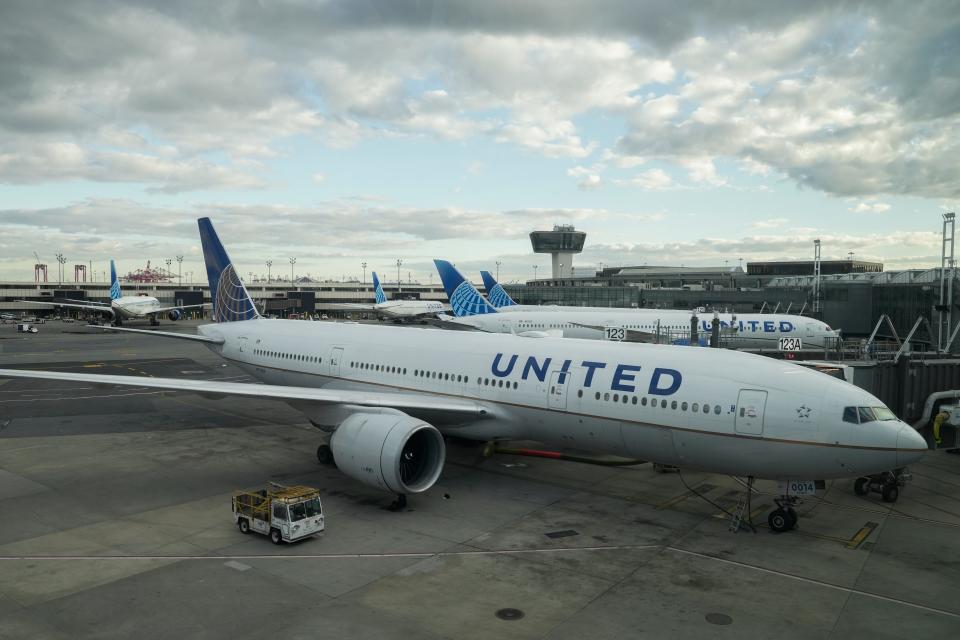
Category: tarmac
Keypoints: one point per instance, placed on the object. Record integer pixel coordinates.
(115, 523)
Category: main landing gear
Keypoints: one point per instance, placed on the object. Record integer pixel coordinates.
(784, 517)
(887, 484)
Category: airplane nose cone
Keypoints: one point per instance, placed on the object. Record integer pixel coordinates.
(910, 446)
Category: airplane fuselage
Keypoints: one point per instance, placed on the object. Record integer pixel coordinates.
(739, 330)
(131, 307)
(402, 309)
(709, 409)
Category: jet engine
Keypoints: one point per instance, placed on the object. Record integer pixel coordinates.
(175, 314)
(390, 451)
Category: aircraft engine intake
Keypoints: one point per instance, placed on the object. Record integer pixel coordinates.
(174, 314)
(390, 451)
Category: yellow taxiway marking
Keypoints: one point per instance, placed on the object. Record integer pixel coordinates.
(861, 535)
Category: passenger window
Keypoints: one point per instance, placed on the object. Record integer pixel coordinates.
(606, 396)
(616, 397)
(696, 407)
(643, 401)
(515, 385)
(663, 404)
(579, 393)
(850, 415)
(716, 409)
(684, 406)
(706, 408)
(634, 400)
(598, 395)
(673, 405)
(624, 398)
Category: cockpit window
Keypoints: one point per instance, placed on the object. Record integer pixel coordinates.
(863, 415)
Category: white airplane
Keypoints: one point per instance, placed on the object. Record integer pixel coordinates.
(397, 309)
(746, 331)
(123, 307)
(387, 394)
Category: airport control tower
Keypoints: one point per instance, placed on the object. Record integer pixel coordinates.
(561, 244)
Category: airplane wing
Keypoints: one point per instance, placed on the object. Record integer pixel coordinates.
(451, 408)
(186, 306)
(162, 334)
(101, 304)
(88, 307)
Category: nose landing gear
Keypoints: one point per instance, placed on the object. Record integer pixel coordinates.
(784, 517)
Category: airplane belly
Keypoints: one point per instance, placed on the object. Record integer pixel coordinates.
(649, 442)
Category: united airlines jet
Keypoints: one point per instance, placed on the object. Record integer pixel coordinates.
(386, 395)
(747, 331)
(123, 307)
(398, 310)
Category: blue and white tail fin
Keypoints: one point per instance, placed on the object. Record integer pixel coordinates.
(114, 283)
(377, 289)
(465, 300)
(231, 302)
(496, 294)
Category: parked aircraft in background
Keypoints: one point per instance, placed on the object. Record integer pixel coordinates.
(123, 307)
(745, 330)
(397, 309)
(385, 395)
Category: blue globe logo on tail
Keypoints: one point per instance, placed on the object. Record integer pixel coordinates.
(497, 295)
(231, 302)
(377, 289)
(114, 283)
(465, 300)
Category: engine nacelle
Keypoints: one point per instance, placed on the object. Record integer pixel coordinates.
(175, 314)
(390, 451)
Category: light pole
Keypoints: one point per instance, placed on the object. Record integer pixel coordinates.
(399, 264)
(534, 272)
(269, 264)
(60, 261)
(498, 269)
(364, 265)
(169, 262)
(293, 261)
(179, 271)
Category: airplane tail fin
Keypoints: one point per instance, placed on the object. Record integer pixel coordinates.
(377, 289)
(114, 283)
(231, 302)
(465, 300)
(496, 294)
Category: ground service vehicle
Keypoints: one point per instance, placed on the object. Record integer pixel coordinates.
(286, 514)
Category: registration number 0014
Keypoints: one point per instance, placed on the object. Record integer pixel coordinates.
(797, 487)
(790, 344)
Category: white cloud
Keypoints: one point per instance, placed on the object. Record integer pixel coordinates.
(319, 178)
(871, 207)
(650, 180)
(770, 223)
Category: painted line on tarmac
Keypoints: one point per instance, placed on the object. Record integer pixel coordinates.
(819, 583)
(335, 556)
(861, 535)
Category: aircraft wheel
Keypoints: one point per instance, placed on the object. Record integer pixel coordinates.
(890, 493)
(275, 536)
(860, 486)
(325, 454)
(792, 514)
(779, 520)
(244, 525)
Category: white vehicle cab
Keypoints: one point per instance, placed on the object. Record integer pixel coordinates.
(286, 514)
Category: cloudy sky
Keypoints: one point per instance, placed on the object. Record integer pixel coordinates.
(341, 132)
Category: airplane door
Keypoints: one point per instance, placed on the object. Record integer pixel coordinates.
(557, 393)
(750, 406)
(336, 355)
(242, 342)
